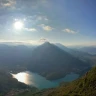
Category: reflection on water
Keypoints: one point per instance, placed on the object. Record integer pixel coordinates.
(22, 77)
(40, 82)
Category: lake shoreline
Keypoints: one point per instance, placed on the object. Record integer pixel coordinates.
(41, 82)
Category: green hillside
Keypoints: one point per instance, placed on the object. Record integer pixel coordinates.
(85, 86)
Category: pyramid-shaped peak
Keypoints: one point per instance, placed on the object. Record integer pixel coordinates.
(47, 42)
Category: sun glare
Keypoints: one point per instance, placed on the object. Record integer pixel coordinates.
(21, 77)
(18, 25)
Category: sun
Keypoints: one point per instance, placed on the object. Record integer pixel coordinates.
(18, 25)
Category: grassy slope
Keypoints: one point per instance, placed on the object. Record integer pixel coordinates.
(85, 86)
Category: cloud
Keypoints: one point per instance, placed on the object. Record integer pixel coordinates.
(30, 29)
(25, 3)
(19, 42)
(46, 28)
(7, 3)
(42, 18)
(43, 40)
(70, 31)
(34, 4)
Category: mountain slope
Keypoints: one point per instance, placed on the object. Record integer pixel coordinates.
(74, 52)
(54, 63)
(7, 83)
(85, 86)
(91, 50)
(14, 57)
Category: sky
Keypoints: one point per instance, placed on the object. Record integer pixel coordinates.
(69, 22)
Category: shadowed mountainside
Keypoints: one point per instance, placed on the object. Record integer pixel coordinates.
(53, 63)
(7, 83)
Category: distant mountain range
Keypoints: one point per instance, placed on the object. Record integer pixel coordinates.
(90, 50)
(72, 51)
(12, 57)
(52, 61)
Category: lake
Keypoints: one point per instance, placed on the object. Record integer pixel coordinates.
(33, 79)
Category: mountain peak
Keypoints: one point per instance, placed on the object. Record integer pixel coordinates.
(47, 43)
(48, 55)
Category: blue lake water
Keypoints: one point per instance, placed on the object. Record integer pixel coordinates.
(33, 79)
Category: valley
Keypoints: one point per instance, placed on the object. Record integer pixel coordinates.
(47, 47)
(53, 69)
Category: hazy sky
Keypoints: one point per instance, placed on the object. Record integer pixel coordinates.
(70, 22)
